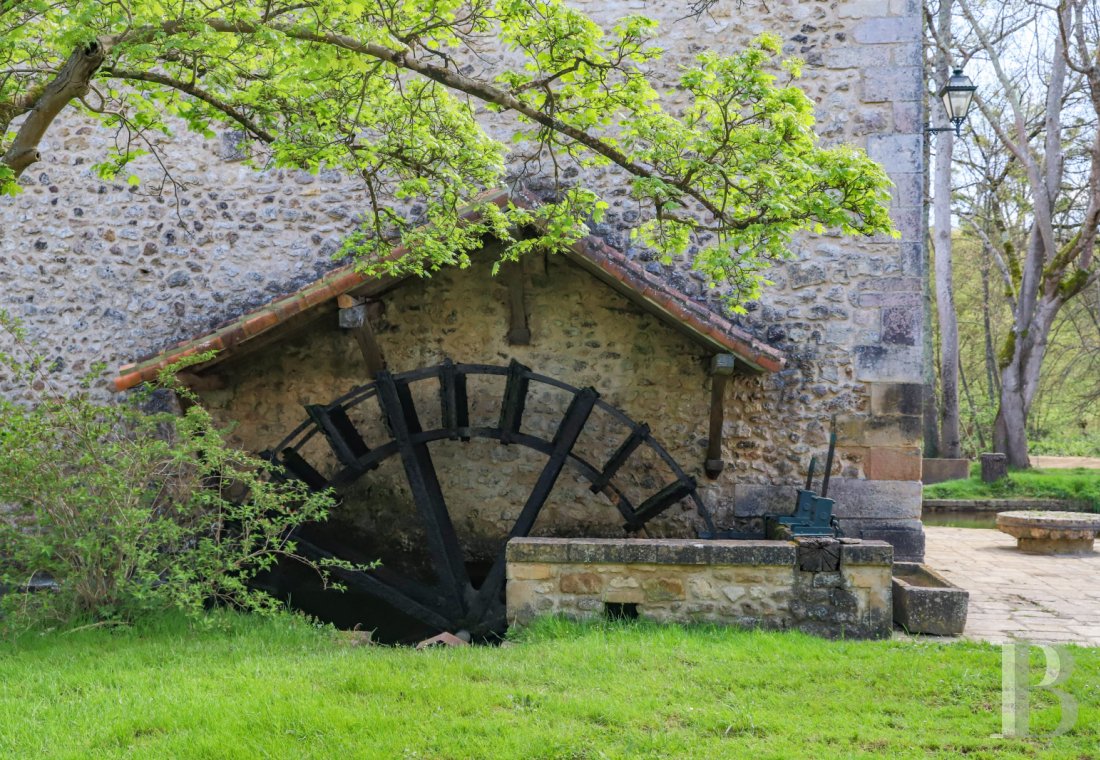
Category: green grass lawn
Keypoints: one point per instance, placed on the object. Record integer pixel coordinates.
(1077, 484)
(281, 689)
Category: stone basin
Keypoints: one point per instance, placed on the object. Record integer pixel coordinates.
(926, 602)
(1051, 532)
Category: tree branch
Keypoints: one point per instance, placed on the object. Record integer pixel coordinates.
(483, 91)
(72, 81)
(196, 92)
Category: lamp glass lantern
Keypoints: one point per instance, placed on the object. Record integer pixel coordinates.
(957, 96)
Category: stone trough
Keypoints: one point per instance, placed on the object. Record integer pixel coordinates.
(926, 602)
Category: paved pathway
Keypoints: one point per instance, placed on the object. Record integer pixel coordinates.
(1015, 595)
(1062, 463)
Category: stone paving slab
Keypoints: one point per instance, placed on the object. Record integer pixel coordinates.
(1038, 598)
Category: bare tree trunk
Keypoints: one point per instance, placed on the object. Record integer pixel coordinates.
(950, 445)
(987, 327)
(1010, 429)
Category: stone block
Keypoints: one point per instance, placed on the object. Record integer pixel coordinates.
(897, 398)
(537, 550)
(856, 56)
(663, 588)
(909, 116)
(907, 54)
(529, 571)
(675, 552)
(752, 553)
(913, 259)
(939, 470)
(583, 583)
(905, 7)
(805, 275)
(859, 8)
(883, 84)
(902, 325)
(909, 298)
(827, 580)
(879, 363)
(879, 430)
(906, 536)
(885, 463)
(876, 499)
(638, 551)
(594, 550)
(624, 596)
(908, 190)
(866, 552)
(882, 31)
(897, 153)
(855, 499)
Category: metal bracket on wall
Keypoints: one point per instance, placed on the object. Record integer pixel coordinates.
(721, 367)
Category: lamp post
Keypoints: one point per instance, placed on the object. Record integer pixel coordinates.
(957, 95)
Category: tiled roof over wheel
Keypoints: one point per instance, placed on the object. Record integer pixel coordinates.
(652, 294)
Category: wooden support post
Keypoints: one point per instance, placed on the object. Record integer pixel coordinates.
(519, 334)
(353, 317)
(721, 367)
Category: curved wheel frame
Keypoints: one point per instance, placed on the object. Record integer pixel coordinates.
(454, 603)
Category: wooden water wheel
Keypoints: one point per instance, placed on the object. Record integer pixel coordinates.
(452, 602)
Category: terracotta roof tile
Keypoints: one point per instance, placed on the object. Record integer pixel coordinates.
(624, 275)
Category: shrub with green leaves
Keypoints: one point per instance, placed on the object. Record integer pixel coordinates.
(130, 511)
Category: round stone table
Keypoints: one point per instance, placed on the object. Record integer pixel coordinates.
(1050, 532)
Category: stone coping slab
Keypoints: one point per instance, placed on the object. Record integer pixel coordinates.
(676, 551)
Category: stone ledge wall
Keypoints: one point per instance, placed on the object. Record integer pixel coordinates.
(748, 584)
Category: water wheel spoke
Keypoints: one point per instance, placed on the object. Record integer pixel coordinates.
(371, 584)
(340, 432)
(660, 501)
(515, 399)
(636, 438)
(297, 466)
(453, 405)
(569, 430)
(446, 552)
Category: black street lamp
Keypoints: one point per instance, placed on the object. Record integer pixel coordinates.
(957, 96)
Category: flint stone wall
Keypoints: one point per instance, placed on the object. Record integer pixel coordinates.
(747, 584)
(100, 272)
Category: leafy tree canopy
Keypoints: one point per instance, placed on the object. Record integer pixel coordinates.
(726, 167)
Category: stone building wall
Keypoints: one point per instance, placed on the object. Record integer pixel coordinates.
(101, 272)
(748, 584)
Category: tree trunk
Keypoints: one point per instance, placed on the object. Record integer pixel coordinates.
(1010, 429)
(950, 445)
(987, 327)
